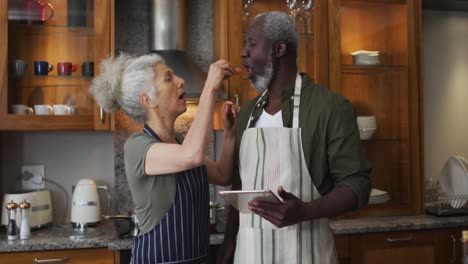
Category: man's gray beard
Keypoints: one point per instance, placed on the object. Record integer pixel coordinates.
(262, 81)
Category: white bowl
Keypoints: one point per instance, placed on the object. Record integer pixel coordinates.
(366, 122)
(366, 133)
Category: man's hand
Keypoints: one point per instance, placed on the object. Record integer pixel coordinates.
(290, 212)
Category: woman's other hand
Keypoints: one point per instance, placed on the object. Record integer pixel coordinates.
(229, 116)
(218, 72)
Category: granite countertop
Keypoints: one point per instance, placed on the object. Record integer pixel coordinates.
(61, 237)
(105, 236)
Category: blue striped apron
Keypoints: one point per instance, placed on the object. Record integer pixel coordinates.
(182, 235)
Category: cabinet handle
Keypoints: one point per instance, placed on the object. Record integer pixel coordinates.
(36, 260)
(236, 99)
(454, 245)
(101, 114)
(403, 239)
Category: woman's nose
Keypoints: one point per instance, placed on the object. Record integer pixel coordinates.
(180, 82)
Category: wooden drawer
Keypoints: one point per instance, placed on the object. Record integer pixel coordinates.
(89, 256)
(394, 247)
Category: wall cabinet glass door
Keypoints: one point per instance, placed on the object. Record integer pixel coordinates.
(376, 66)
(51, 50)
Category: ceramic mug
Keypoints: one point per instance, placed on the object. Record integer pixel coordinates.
(88, 68)
(66, 68)
(21, 109)
(18, 68)
(43, 109)
(42, 67)
(60, 109)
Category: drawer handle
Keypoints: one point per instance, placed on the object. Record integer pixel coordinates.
(50, 260)
(403, 239)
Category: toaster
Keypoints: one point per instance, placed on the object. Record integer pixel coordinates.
(41, 207)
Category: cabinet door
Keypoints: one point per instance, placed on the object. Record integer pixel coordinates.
(88, 256)
(386, 86)
(450, 245)
(232, 17)
(65, 35)
(395, 247)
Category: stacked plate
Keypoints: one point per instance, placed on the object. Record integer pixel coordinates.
(365, 57)
(454, 180)
(378, 196)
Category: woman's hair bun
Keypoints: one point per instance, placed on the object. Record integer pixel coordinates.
(107, 86)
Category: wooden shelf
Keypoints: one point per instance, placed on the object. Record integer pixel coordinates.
(372, 67)
(53, 81)
(64, 30)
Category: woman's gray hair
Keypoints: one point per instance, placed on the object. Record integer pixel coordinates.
(280, 26)
(121, 82)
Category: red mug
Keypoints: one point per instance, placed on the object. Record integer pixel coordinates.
(30, 11)
(66, 68)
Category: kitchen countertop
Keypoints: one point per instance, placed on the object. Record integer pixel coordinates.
(57, 237)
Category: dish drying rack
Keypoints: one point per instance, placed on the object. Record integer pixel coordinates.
(441, 204)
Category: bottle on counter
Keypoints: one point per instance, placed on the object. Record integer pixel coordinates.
(465, 247)
(12, 229)
(25, 230)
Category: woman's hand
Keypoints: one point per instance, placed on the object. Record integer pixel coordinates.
(218, 72)
(229, 116)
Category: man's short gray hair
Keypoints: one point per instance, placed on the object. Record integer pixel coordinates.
(280, 26)
(121, 82)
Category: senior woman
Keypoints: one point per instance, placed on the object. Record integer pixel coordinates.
(168, 176)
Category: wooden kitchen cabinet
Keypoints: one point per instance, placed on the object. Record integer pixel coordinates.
(76, 256)
(231, 18)
(90, 37)
(391, 90)
(428, 246)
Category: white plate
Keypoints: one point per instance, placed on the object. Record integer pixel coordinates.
(376, 192)
(454, 180)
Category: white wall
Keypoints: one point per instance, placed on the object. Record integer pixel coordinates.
(445, 73)
(67, 156)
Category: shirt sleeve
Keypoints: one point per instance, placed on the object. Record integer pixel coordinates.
(346, 156)
(135, 150)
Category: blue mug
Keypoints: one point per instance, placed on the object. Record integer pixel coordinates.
(42, 67)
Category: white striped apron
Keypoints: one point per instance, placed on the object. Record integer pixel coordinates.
(270, 157)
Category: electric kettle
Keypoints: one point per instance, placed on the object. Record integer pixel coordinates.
(86, 205)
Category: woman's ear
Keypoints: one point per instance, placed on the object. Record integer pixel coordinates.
(145, 100)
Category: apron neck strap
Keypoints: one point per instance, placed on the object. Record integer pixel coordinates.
(297, 99)
(147, 129)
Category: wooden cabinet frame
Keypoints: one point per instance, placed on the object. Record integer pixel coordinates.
(103, 46)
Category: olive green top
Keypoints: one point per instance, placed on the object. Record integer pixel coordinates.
(333, 150)
(152, 195)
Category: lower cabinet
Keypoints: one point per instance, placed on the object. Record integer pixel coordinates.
(76, 256)
(428, 246)
(431, 246)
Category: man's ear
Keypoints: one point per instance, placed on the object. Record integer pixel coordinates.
(280, 49)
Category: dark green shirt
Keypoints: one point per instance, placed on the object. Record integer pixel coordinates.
(330, 137)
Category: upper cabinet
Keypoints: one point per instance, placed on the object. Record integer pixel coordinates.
(232, 17)
(50, 51)
(383, 82)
